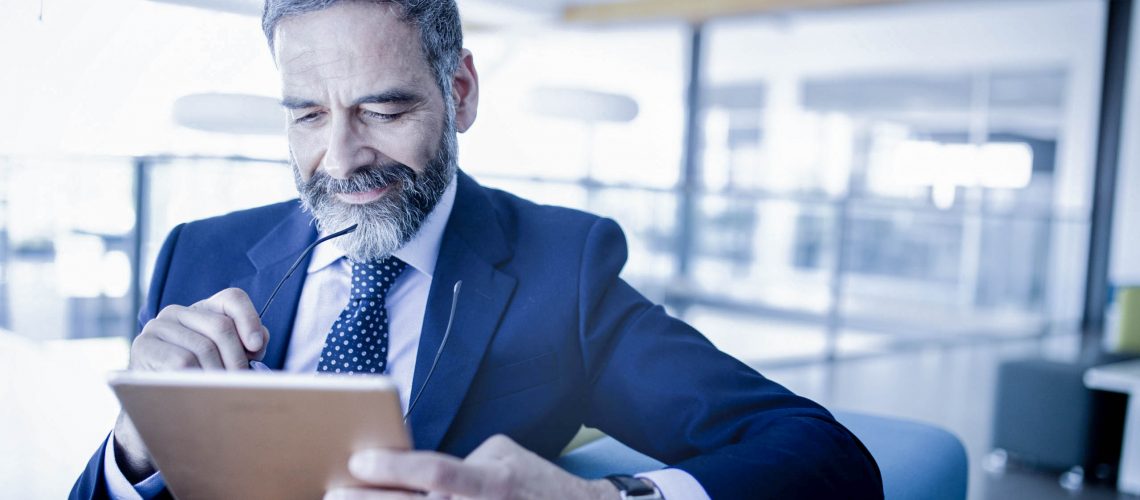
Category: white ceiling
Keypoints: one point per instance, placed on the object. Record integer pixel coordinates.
(480, 12)
(102, 77)
(245, 7)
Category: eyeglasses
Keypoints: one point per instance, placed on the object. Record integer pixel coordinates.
(257, 365)
(297, 263)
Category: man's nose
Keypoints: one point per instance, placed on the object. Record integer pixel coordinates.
(348, 149)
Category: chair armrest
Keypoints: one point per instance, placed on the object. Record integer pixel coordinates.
(918, 461)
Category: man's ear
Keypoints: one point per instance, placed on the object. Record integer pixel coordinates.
(465, 91)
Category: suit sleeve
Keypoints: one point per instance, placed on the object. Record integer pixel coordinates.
(659, 386)
(91, 483)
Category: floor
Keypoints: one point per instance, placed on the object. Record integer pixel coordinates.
(949, 386)
(57, 410)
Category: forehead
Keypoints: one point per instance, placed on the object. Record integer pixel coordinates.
(349, 41)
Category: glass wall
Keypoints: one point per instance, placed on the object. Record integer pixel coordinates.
(920, 170)
(69, 233)
(590, 119)
(867, 177)
(66, 233)
(185, 189)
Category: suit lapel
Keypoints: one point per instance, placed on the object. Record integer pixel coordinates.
(473, 244)
(271, 258)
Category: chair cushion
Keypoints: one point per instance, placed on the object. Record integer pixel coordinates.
(918, 461)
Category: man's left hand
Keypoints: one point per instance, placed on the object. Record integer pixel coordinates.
(498, 469)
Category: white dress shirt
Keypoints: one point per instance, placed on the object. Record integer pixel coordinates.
(326, 292)
(324, 296)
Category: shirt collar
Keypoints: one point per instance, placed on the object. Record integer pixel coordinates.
(420, 253)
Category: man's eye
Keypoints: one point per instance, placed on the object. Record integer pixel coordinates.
(384, 117)
(308, 118)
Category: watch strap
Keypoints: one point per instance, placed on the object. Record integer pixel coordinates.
(633, 488)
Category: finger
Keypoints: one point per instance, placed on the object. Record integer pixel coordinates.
(220, 329)
(204, 349)
(369, 494)
(148, 352)
(234, 303)
(494, 448)
(418, 470)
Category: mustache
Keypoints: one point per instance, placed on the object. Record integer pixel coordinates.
(363, 179)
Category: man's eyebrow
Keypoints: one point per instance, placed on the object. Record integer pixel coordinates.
(298, 103)
(397, 96)
(387, 97)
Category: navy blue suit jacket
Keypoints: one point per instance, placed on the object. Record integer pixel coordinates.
(546, 338)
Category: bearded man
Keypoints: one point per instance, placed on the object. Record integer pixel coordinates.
(547, 336)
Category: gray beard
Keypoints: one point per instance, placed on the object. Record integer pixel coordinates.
(387, 224)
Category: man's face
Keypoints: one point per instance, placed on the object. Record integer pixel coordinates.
(371, 140)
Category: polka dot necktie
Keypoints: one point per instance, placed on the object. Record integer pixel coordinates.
(358, 341)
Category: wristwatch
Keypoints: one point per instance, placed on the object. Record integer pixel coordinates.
(633, 488)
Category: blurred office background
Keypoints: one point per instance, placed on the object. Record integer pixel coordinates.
(904, 189)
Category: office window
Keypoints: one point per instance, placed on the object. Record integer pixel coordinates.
(183, 190)
(66, 233)
(919, 170)
(590, 119)
(922, 170)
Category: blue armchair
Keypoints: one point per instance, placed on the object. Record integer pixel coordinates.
(918, 461)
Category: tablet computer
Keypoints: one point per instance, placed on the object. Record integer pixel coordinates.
(259, 435)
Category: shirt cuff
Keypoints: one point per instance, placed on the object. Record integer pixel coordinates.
(676, 484)
(119, 487)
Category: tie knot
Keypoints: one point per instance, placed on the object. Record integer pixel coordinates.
(373, 279)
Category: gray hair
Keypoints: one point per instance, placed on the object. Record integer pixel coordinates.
(441, 33)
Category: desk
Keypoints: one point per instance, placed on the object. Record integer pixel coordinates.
(1123, 377)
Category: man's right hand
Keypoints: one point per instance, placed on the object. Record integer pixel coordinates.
(222, 332)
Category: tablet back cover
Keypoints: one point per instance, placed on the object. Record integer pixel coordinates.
(259, 438)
